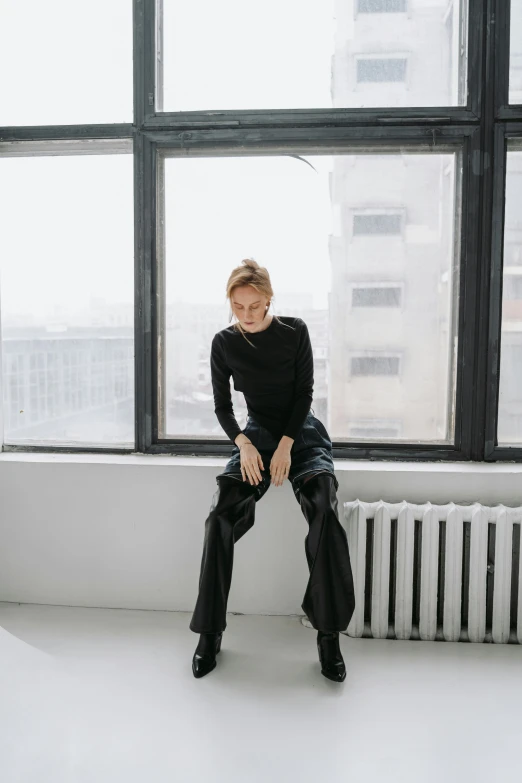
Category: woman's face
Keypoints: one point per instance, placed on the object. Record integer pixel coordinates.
(249, 307)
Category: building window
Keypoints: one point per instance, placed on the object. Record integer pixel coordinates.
(371, 224)
(376, 296)
(380, 6)
(386, 69)
(374, 430)
(375, 365)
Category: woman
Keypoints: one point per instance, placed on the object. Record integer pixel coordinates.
(271, 362)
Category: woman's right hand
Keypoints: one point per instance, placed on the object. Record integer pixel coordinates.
(251, 463)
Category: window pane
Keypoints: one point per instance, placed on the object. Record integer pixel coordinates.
(68, 62)
(375, 362)
(515, 59)
(318, 54)
(66, 254)
(376, 297)
(375, 365)
(376, 224)
(389, 69)
(510, 393)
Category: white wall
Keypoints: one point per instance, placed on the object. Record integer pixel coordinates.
(127, 531)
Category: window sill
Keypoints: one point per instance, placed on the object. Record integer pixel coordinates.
(341, 466)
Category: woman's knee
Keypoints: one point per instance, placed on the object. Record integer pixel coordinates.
(232, 512)
(230, 493)
(311, 475)
(320, 490)
(318, 477)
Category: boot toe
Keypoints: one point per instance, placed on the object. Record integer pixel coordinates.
(330, 657)
(204, 659)
(337, 673)
(202, 665)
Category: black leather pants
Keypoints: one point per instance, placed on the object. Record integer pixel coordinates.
(329, 599)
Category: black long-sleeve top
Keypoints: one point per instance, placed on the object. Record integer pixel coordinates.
(276, 376)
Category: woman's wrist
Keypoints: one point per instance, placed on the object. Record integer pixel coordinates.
(287, 442)
(241, 440)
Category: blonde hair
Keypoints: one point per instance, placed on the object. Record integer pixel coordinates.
(250, 273)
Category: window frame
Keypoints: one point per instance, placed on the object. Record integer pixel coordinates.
(481, 128)
(306, 141)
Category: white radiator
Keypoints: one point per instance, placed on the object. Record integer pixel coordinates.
(450, 573)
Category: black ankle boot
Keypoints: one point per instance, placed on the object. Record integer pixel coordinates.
(204, 659)
(332, 664)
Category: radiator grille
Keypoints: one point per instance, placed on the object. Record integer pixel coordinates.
(448, 573)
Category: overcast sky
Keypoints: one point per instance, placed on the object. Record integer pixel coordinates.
(66, 225)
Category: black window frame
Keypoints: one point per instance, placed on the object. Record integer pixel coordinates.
(481, 129)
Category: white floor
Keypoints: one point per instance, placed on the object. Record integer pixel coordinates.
(107, 695)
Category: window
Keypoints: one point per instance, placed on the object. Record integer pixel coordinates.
(68, 65)
(377, 224)
(365, 149)
(375, 296)
(342, 304)
(380, 6)
(302, 61)
(64, 282)
(510, 392)
(389, 69)
(375, 365)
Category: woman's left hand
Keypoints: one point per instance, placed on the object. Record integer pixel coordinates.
(280, 464)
